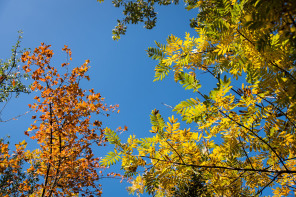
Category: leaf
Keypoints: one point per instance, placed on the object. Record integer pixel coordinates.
(188, 81)
(110, 159)
(111, 136)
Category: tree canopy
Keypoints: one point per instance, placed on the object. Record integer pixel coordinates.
(234, 139)
(240, 135)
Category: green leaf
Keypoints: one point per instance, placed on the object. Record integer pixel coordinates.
(111, 136)
(111, 158)
(157, 121)
(188, 81)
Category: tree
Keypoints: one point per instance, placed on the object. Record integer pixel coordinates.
(65, 129)
(245, 126)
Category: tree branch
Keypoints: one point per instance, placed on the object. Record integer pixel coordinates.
(260, 138)
(274, 64)
(274, 178)
(226, 168)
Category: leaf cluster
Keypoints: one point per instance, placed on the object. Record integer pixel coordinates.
(137, 12)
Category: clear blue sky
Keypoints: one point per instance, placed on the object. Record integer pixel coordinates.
(121, 71)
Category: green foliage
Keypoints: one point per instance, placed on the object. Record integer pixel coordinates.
(11, 75)
(192, 187)
(113, 156)
(110, 159)
(111, 136)
(188, 81)
(157, 122)
(155, 54)
(137, 12)
(147, 142)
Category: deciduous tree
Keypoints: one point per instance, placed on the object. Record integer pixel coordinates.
(66, 129)
(241, 134)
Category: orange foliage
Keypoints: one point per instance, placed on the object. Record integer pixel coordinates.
(66, 129)
(10, 163)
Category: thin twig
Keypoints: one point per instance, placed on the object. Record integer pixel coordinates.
(14, 118)
(260, 191)
(245, 153)
(260, 138)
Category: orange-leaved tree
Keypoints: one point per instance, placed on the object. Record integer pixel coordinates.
(64, 127)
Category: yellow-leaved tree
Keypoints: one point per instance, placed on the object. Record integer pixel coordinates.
(240, 138)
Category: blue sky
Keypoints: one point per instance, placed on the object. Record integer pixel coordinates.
(121, 71)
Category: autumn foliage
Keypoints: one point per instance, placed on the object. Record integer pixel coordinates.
(235, 137)
(238, 136)
(64, 127)
(14, 181)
